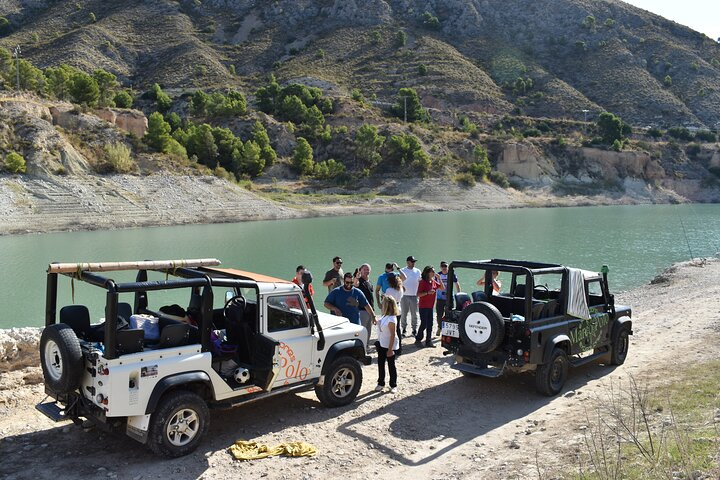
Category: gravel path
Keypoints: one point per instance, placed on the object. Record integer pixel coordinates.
(440, 425)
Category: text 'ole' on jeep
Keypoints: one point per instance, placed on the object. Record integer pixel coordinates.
(153, 368)
(549, 318)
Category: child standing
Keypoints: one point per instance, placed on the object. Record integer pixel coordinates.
(388, 343)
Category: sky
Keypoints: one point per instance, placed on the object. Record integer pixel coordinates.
(700, 15)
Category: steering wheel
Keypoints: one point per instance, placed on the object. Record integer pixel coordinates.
(237, 300)
(542, 287)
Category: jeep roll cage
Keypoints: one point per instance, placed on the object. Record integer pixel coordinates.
(189, 277)
(517, 267)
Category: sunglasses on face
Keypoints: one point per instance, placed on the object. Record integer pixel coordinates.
(338, 263)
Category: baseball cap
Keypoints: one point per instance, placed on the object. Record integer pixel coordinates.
(411, 259)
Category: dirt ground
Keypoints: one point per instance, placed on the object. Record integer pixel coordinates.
(440, 425)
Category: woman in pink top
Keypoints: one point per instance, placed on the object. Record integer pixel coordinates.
(430, 282)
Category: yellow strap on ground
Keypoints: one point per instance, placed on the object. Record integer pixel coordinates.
(244, 450)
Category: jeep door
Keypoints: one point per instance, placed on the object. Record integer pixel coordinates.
(288, 322)
(591, 333)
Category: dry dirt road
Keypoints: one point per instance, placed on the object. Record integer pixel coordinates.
(440, 425)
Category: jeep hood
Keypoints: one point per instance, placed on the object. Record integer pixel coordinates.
(328, 321)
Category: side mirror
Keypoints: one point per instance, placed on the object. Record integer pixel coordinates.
(307, 278)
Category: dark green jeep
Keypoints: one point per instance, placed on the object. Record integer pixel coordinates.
(548, 318)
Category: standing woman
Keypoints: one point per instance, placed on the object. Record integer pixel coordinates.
(388, 343)
(430, 283)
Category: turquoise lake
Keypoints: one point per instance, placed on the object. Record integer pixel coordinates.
(637, 242)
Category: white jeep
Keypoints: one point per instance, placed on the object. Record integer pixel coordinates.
(153, 369)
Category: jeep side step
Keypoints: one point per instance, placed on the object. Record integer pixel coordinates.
(576, 362)
(490, 372)
(52, 410)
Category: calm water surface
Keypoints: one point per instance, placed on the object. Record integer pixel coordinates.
(637, 242)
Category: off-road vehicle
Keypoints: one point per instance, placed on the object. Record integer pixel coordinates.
(550, 318)
(152, 368)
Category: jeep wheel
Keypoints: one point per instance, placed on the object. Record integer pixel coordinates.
(178, 424)
(550, 377)
(61, 358)
(619, 347)
(482, 327)
(342, 382)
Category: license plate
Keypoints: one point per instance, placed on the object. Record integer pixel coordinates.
(450, 329)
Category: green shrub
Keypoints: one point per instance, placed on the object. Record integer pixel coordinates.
(303, 157)
(422, 69)
(466, 179)
(705, 136)
(681, 133)
(4, 26)
(617, 145)
(157, 135)
(667, 81)
(468, 126)
(15, 163)
(693, 149)
(499, 179)
(401, 38)
(367, 145)
(123, 99)
(654, 132)
(531, 132)
(84, 89)
(357, 95)
(328, 170)
(407, 106)
(430, 21)
(118, 157)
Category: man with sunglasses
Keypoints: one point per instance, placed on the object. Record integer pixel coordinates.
(333, 277)
(347, 300)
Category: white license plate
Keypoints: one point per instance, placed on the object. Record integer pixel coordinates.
(450, 329)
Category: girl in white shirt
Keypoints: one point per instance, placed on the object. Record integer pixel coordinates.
(388, 343)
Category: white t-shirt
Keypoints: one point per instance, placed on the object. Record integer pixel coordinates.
(391, 292)
(412, 279)
(384, 330)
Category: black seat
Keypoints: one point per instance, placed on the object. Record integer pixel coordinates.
(519, 290)
(549, 309)
(239, 329)
(174, 335)
(124, 310)
(479, 296)
(130, 340)
(77, 317)
(461, 300)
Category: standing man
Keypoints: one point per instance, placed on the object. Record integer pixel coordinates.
(409, 302)
(346, 301)
(333, 277)
(363, 284)
(442, 295)
(382, 283)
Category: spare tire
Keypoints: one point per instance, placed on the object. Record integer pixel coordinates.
(482, 327)
(61, 358)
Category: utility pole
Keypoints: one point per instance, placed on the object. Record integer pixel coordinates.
(17, 65)
(405, 102)
(585, 111)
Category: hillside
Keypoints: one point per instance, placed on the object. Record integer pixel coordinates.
(581, 54)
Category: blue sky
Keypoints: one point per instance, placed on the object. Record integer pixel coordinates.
(700, 15)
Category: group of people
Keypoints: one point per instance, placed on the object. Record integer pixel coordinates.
(400, 293)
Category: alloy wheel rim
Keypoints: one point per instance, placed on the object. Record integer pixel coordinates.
(343, 382)
(183, 427)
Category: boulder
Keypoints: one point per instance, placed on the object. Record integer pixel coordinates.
(19, 348)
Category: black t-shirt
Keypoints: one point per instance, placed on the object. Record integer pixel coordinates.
(366, 287)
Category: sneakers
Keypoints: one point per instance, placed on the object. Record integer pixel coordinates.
(380, 388)
(393, 390)
(429, 345)
(438, 332)
(414, 333)
(418, 343)
(404, 332)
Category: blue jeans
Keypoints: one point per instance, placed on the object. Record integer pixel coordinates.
(426, 324)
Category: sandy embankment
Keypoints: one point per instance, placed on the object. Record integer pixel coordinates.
(440, 424)
(69, 203)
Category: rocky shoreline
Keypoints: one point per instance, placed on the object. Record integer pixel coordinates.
(44, 204)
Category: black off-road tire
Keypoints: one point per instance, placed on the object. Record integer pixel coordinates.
(343, 380)
(619, 346)
(482, 327)
(61, 358)
(178, 424)
(550, 377)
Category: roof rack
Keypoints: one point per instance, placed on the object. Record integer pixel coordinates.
(139, 265)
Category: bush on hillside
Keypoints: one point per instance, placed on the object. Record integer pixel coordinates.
(123, 99)
(499, 179)
(303, 157)
(681, 133)
(118, 158)
(15, 163)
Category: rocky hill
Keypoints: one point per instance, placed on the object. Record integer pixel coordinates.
(580, 54)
